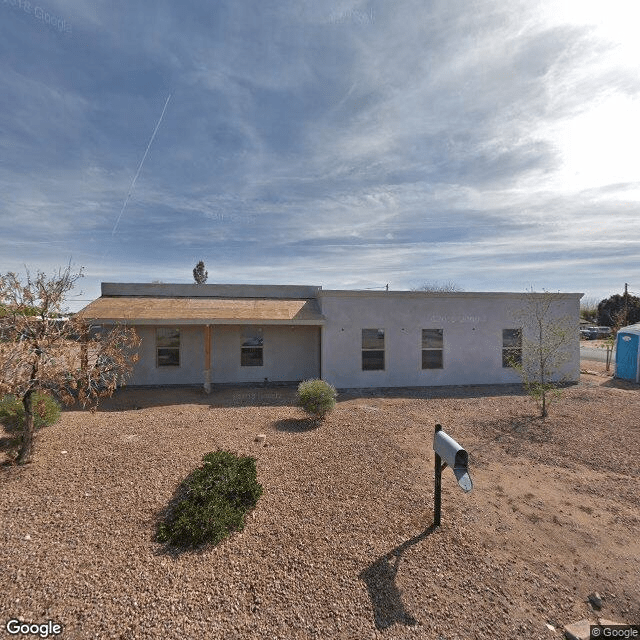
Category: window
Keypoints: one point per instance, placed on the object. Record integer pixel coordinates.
(511, 347)
(432, 345)
(167, 347)
(372, 349)
(252, 347)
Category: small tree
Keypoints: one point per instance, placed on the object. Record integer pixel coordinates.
(545, 339)
(46, 352)
(199, 273)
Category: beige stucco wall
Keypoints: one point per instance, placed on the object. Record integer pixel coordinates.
(191, 366)
(472, 325)
(291, 353)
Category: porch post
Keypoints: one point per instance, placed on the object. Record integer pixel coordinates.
(207, 358)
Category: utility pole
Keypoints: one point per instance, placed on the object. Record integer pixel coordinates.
(626, 304)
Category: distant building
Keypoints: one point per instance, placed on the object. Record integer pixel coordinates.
(223, 333)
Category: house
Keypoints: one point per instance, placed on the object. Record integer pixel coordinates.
(224, 333)
(628, 353)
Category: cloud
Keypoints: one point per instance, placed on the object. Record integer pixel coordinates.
(344, 142)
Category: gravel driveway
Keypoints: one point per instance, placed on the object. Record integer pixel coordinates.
(340, 544)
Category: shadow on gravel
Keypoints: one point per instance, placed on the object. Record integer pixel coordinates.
(450, 391)
(380, 578)
(297, 425)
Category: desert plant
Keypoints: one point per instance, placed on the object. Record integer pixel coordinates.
(316, 397)
(40, 353)
(46, 411)
(212, 502)
(543, 346)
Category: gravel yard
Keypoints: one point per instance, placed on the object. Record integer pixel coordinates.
(340, 544)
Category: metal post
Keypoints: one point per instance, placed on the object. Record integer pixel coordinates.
(437, 493)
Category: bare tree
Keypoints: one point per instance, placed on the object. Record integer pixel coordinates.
(436, 287)
(546, 338)
(42, 351)
(199, 273)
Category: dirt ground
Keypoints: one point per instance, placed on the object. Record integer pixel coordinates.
(341, 544)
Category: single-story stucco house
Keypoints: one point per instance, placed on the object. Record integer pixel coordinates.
(226, 333)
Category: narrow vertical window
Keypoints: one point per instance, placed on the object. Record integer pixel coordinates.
(511, 347)
(167, 347)
(372, 349)
(432, 347)
(251, 351)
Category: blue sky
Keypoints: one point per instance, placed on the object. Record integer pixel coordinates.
(345, 144)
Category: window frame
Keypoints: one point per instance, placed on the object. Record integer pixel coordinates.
(168, 347)
(439, 349)
(246, 349)
(372, 350)
(510, 349)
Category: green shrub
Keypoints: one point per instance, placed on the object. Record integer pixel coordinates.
(46, 411)
(212, 502)
(316, 397)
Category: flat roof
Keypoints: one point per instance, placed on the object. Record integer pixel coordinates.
(201, 310)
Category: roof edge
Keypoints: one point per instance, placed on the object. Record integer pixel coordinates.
(173, 290)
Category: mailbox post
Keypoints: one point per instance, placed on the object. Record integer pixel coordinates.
(437, 490)
(444, 446)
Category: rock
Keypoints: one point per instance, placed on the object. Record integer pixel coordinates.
(550, 626)
(27, 537)
(260, 438)
(578, 630)
(63, 451)
(595, 600)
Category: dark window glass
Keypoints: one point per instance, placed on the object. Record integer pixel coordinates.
(251, 357)
(511, 347)
(372, 349)
(372, 360)
(251, 351)
(432, 344)
(432, 359)
(373, 338)
(432, 338)
(167, 347)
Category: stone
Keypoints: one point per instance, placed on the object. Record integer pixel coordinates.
(595, 600)
(580, 630)
(260, 438)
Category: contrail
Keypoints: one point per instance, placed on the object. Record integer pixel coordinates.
(140, 165)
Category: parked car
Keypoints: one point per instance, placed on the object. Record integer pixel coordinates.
(595, 333)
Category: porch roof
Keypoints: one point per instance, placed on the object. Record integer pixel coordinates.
(201, 311)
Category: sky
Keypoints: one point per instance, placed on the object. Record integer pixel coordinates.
(490, 144)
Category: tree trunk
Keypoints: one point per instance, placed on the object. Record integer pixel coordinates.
(27, 430)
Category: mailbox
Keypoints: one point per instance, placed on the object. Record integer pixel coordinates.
(454, 456)
(448, 453)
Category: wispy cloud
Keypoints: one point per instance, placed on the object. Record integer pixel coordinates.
(344, 143)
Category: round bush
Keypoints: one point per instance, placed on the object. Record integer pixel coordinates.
(316, 397)
(212, 502)
(46, 411)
